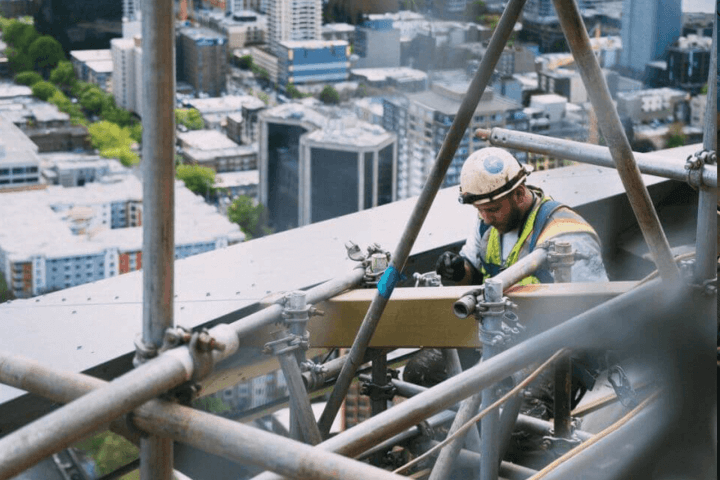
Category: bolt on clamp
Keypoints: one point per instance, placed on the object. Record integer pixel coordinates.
(429, 279)
(694, 166)
(375, 262)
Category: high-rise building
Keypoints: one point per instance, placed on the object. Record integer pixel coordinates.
(79, 24)
(688, 63)
(319, 163)
(377, 44)
(421, 122)
(649, 27)
(202, 60)
(126, 56)
(313, 61)
(293, 20)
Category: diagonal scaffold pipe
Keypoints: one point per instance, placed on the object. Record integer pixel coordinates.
(422, 207)
(62, 427)
(614, 134)
(231, 440)
(601, 326)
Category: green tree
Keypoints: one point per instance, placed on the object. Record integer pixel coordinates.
(251, 217)
(136, 132)
(329, 95)
(46, 53)
(197, 179)
(43, 90)
(675, 136)
(260, 73)
(63, 76)
(106, 135)
(65, 105)
(12, 31)
(703, 90)
(5, 292)
(19, 61)
(245, 62)
(189, 117)
(27, 37)
(293, 92)
(27, 78)
(93, 100)
(126, 156)
(109, 451)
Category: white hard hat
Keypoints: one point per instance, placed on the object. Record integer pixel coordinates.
(489, 174)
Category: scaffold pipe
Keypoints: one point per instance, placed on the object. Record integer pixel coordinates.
(706, 237)
(579, 332)
(422, 207)
(60, 428)
(614, 134)
(648, 163)
(231, 440)
(158, 165)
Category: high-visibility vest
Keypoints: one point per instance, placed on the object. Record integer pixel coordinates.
(538, 228)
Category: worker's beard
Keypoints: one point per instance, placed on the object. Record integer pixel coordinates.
(513, 219)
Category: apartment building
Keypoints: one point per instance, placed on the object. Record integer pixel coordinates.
(293, 20)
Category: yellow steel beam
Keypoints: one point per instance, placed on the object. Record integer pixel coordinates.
(423, 317)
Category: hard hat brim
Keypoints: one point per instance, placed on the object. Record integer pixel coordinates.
(468, 198)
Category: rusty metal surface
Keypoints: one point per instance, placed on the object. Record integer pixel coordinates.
(423, 316)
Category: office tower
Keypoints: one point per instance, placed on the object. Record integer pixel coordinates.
(293, 20)
(649, 27)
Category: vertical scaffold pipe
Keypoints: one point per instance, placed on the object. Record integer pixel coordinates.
(614, 134)
(457, 131)
(158, 101)
(489, 426)
(706, 239)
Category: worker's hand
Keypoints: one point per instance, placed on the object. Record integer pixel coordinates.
(450, 266)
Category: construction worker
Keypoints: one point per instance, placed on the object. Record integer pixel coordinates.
(513, 218)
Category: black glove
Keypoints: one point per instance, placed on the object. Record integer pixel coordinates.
(450, 266)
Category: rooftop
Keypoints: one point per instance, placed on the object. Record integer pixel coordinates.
(91, 55)
(338, 27)
(548, 98)
(10, 90)
(228, 103)
(399, 73)
(449, 105)
(312, 44)
(664, 92)
(206, 140)
(100, 66)
(36, 222)
(350, 132)
(236, 179)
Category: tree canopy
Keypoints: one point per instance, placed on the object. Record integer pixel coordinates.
(63, 75)
(43, 90)
(245, 62)
(113, 141)
(46, 53)
(19, 61)
(251, 217)
(189, 117)
(197, 179)
(675, 136)
(27, 78)
(329, 95)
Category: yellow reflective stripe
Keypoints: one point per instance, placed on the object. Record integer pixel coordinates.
(528, 281)
(564, 225)
(493, 248)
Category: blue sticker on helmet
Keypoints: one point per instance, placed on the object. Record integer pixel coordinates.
(493, 164)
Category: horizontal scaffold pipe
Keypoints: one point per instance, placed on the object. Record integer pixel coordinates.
(581, 331)
(231, 440)
(59, 429)
(648, 163)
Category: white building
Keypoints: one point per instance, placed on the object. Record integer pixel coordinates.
(293, 20)
(62, 237)
(19, 161)
(127, 73)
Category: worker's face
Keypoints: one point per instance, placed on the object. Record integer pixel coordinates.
(504, 214)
